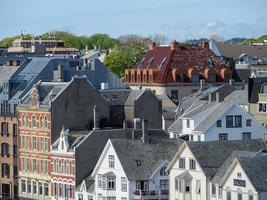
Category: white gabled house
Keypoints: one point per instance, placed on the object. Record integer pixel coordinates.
(209, 121)
(196, 164)
(133, 169)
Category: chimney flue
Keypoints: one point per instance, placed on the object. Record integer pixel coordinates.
(145, 138)
(96, 119)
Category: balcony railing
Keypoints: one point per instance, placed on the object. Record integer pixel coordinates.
(151, 193)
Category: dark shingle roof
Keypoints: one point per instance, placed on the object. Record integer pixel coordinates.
(149, 156)
(212, 154)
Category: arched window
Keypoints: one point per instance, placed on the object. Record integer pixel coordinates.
(59, 167)
(27, 121)
(65, 167)
(54, 166)
(41, 122)
(45, 122)
(34, 121)
(250, 195)
(5, 149)
(163, 171)
(5, 170)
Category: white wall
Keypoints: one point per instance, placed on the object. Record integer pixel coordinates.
(256, 129)
(196, 174)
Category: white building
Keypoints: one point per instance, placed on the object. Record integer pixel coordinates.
(132, 169)
(196, 163)
(211, 121)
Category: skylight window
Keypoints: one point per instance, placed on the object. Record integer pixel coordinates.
(162, 62)
(149, 62)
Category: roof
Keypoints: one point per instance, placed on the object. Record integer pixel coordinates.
(256, 170)
(132, 97)
(140, 160)
(211, 155)
(223, 169)
(182, 57)
(92, 145)
(239, 97)
(234, 51)
(6, 72)
(254, 88)
(243, 74)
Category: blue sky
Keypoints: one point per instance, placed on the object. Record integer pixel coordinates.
(177, 19)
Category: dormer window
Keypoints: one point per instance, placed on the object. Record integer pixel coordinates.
(163, 171)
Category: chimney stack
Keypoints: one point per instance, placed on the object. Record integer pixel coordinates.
(219, 97)
(174, 45)
(206, 45)
(145, 138)
(60, 73)
(202, 84)
(152, 46)
(96, 118)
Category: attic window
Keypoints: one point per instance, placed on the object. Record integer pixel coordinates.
(162, 62)
(138, 163)
(149, 62)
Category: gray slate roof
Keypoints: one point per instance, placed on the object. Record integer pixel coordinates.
(211, 155)
(6, 72)
(256, 170)
(239, 97)
(149, 155)
(132, 96)
(223, 169)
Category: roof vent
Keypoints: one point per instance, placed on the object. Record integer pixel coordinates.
(138, 163)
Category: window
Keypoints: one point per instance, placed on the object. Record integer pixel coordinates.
(182, 163)
(198, 186)
(29, 186)
(239, 194)
(70, 167)
(262, 107)
(174, 94)
(220, 192)
(228, 194)
(34, 144)
(41, 122)
(192, 164)
(27, 121)
(198, 138)
(46, 190)
(34, 187)
(142, 185)
(46, 144)
(176, 184)
(99, 180)
(15, 129)
(123, 184)
(111, 161)
(4, 128)
(23, 185)
(223, 136)
(187, 123)
(5, 170)
(181, 186)
(99, 196)
(34, 121)
(246, 136)
(111, 183)
(164, 184)
(40, 186)
(219, 123)
(23, 121)
(4, 149)
(187, 186)
(213, 189)
(238, 121)
(42, 144)
(34, 165)
(163, 171)
(229, 121)
(45, 123)
(250, 195)
(248, 122)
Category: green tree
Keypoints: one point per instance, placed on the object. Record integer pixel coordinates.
(124, 56)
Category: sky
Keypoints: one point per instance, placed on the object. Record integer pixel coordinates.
(176, 19)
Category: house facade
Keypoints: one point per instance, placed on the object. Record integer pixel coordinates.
(218, 121)
(196, 164)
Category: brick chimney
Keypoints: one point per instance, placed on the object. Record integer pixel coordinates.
(152, 46)
(174, 45)
(206, 45)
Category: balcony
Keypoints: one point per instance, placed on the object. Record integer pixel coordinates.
(151, 194)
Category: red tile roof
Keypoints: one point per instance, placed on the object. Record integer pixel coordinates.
(181, 57)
